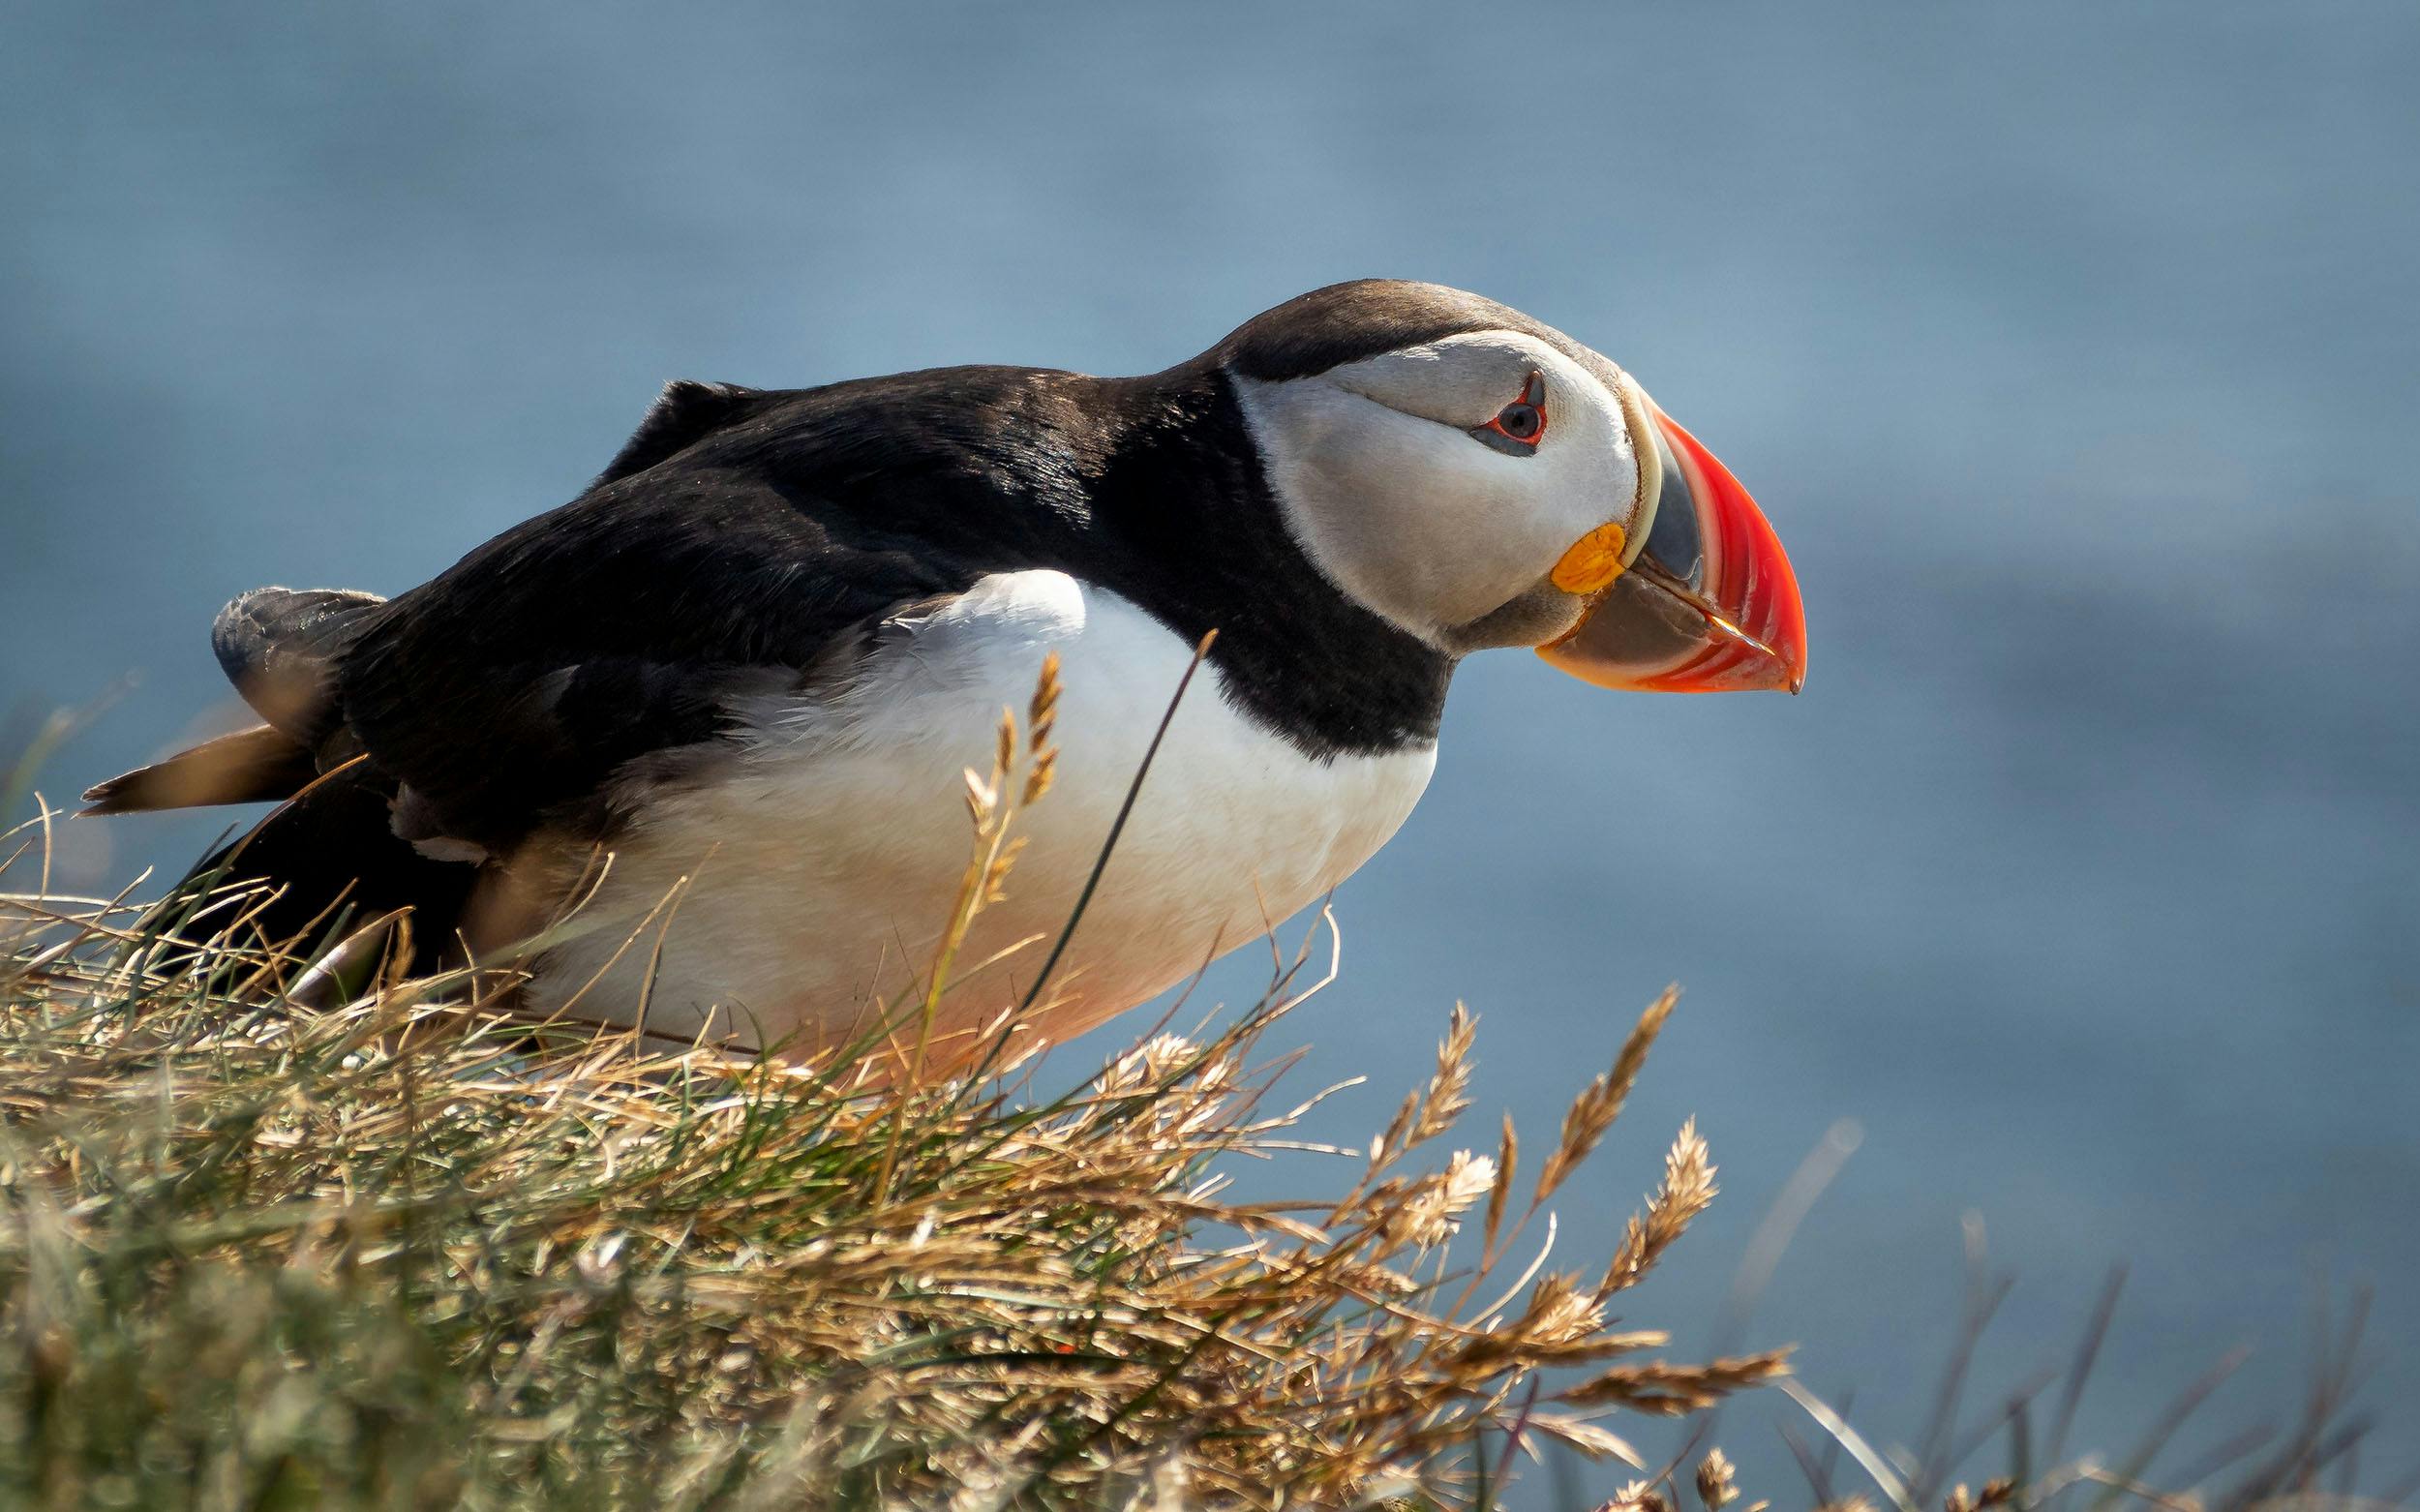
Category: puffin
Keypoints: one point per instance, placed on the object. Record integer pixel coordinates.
(692, 749)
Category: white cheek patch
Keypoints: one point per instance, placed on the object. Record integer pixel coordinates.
(1403, 509)
(1389, 507)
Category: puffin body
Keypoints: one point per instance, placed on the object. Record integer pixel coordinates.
(812, 923)
(705, 726)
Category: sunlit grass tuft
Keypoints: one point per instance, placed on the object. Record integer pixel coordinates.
(282, 1228)
(399, 1252)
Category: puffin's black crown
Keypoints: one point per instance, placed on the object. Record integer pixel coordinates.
(1345, 323)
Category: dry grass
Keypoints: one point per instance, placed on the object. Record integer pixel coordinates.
(285, 1229)
(281, 1229)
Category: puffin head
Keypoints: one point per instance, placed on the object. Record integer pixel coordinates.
(1480, 479)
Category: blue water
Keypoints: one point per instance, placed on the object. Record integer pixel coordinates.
(2073, 348)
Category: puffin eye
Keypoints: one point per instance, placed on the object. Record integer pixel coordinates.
(1521, 425)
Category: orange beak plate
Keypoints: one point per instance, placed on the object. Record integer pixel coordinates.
(1709, 605)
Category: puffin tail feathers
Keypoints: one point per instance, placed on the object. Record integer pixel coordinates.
(261, 765)
(329, 851)
(281, 648)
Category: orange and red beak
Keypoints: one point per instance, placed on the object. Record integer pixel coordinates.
(1707, 604)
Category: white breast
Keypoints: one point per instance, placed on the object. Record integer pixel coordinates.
(823, 863)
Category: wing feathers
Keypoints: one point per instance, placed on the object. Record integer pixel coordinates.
(278, 647)
(686, 412)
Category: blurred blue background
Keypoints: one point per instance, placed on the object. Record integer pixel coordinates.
(2074, 349)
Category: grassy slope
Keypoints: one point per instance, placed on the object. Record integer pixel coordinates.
(391, 1252)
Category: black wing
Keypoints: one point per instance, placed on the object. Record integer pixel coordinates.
(511, 688)
(742, 537)
(280, 645)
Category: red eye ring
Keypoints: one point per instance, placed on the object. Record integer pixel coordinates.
(1522, 422)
